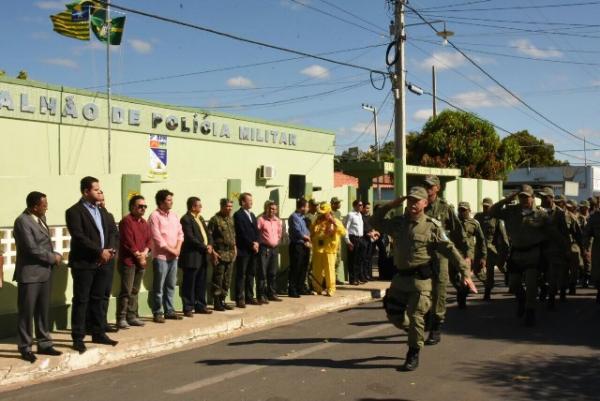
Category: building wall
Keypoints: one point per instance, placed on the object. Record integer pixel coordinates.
(51, 152)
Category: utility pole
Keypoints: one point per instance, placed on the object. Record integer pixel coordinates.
(373, 110)
(399, 82)
(108, 89)
(433, 87)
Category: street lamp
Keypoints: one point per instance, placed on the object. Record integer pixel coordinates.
(445, 34)
(373, 110)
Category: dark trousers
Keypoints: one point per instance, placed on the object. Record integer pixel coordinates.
(221, 280)
(89, 292)
(356, 258)
(193, 288)
(367, 267)
(131, 281)
(266, 278)
(299, 258)
(105, 300)
(245, 270)
(33, 301)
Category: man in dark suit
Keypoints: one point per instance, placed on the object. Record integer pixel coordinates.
(33, 273)
(93, 247)
(247, 238)
(197, 245)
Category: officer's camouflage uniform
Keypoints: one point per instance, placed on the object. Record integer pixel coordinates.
(443, 212)
(556, 253)
(591, 240)
(497, 244)
(586, 267)
(574, 256)
(415, 246)
(223, 232)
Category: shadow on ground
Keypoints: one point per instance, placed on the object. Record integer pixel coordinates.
(356, 363)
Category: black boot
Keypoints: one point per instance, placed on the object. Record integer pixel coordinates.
(563, 295)
(520, 302)
(487, 296)
(530, 317)
(412, 360)
(435, 335)
(585, 281)
(461, 298)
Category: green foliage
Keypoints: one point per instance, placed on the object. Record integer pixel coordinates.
(534, 152)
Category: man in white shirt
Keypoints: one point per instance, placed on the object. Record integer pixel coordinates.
(354, 240)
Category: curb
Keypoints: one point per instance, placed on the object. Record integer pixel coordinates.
(16, 373)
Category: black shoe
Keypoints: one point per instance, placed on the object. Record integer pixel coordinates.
(434, 338)
(79, 346)
(530, 317)
(487, 296)
(253, 301)
(111, 329)
(103, 339)
(218, 307)
(188, 313)
(585, 282)
(203, 311)
(520, 303)
(293, 295)
(49, 351)
(263, 301)
(412, 360)
(227, 306)
(275, 298)
(173, 316)
(563, 295)
(240, 304)
(28, 356)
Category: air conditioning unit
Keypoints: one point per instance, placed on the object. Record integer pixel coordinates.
(266, 172)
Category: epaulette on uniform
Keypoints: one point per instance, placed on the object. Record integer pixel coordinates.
(436, 222)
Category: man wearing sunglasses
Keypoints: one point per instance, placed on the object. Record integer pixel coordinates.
(135, 237)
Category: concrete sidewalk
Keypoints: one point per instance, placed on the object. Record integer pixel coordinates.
(144, 342)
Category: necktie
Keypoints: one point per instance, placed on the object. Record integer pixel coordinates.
(202, 231)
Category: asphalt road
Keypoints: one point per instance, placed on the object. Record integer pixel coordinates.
(353, 354)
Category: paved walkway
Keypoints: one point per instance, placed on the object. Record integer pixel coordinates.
(155, 339)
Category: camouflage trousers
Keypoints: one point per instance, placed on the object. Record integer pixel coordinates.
(438, 292)
(221, 280)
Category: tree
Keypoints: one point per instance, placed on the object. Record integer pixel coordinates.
(534, 152)
(22, 75)
(456, 139)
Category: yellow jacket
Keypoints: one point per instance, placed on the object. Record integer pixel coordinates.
(323, 239)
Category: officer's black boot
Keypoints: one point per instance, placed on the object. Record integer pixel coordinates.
(435, 335)
(530, 317)
(487, 296)
(563, 295)
(412, 360)
(520, 302)
(461, 298)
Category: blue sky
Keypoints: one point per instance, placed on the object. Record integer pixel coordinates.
(563, 86)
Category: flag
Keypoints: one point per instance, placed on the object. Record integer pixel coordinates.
(64, 24)
(82, 10)
(100, 27)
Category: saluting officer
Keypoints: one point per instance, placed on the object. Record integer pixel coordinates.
(477, 251)
(417, 239)
(497, 245)
(443, 212)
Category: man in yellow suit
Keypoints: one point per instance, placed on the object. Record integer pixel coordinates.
(325, 235)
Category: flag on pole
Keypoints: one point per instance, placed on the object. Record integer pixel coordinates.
(66, 25)
(100, 27)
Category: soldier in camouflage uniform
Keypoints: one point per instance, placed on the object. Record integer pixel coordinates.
(440, 210)
(476, 253)
(583, 218)
(556, 253)
(222, 229)
(417, 238)
(591, 244)
(529, 229)
(497, 245)
(575, 236)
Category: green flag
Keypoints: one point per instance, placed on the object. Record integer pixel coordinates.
(100, 27)
(66, 25)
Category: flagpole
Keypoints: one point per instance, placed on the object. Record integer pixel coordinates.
(108, 89)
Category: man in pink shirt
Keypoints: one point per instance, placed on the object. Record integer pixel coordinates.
(270, 230)
(167, 237)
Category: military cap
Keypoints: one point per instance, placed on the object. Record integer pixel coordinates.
(313, 202)
(546, 191)
(487, 202)
(431, 180)
(418, 193)
(335, 199)
(572, 204)
(464, 205)
(560, 198)
(324, 208)
(525, 189)
(584, 203)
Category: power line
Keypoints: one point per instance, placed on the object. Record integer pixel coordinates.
(467, 3)
(353, 15)
(240, 38)
(513, 8)
(318, 10)
(506, 89)
(229, 68)
(571, 24)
